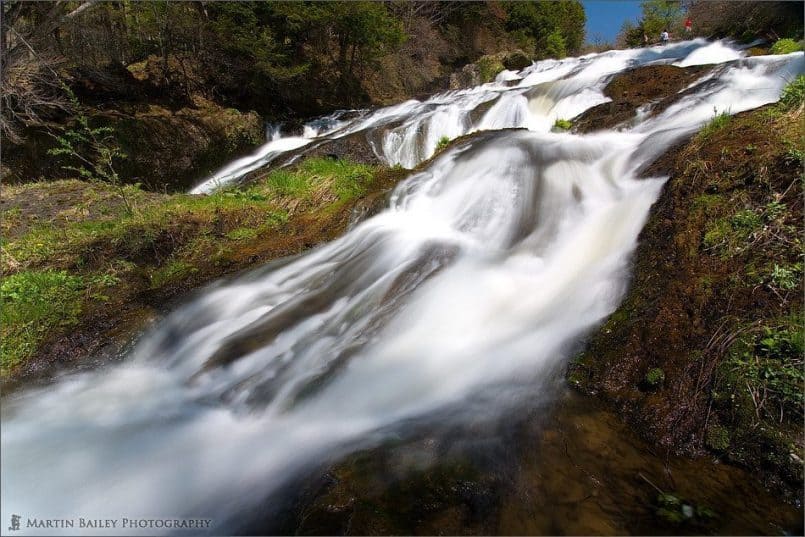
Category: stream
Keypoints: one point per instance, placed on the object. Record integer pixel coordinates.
(446, 318)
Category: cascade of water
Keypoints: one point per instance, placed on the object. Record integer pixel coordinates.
(485, 267)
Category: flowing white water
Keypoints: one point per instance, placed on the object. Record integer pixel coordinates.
(484, 269)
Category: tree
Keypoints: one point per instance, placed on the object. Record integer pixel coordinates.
(555, 28)
(660, 15)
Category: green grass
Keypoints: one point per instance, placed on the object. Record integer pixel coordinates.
(34, 303)
(242, 234)
(56, 268)
(719, 121)
(172, 272)
(563, 124)
(793, 93)
(344, 179)
(732, 234)
(785, 46)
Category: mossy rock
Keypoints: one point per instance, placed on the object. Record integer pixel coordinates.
(516, 61)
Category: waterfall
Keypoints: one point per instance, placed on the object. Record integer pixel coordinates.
(483, 271)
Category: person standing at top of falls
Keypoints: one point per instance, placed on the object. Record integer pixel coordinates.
(665, 37)
(688, 25)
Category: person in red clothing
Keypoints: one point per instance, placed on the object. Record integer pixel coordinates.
(688, 25)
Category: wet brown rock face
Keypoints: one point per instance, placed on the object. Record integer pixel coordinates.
(659, 84)
(704, 285)
(573, 470)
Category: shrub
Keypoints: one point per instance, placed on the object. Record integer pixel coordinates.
(488, 68)
(784, 46)
(563, 124)
(655, 377)
(443, 142)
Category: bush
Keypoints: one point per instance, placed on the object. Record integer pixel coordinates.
(488, 68)
(443, 142)
(785, 46)
(563, 124)
(655, 377)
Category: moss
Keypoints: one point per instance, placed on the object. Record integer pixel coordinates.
(242, 233)
(717, 292)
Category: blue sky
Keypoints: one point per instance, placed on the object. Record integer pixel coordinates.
(605, 17)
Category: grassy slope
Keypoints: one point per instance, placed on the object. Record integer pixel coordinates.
(706, 351)
(76, 262)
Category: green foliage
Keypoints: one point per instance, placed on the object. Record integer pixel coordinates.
(655, 377)
(563, 124)
(732, 233)
(656, 16)
(794, 93)
(769, 364)
(442, 144)
(555, 28)
(786, 277)
(659, 15)
(92, 152)
(717, 438)
(33, 304)
(555, 45)
(785, 46)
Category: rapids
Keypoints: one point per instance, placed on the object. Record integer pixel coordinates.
(467, 292)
